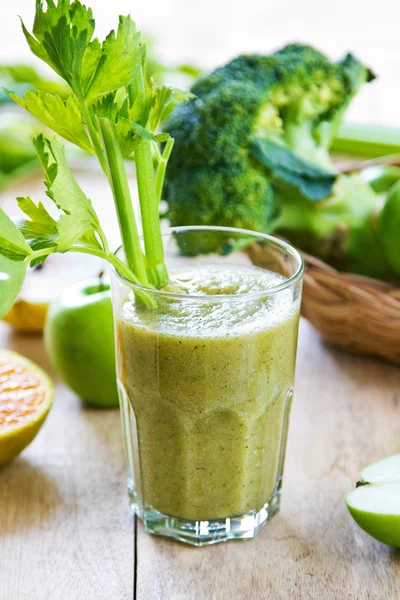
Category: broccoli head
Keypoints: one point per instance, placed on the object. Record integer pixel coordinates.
(255, 123)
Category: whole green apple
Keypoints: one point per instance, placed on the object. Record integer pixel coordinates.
(375, 503)
(79, 340)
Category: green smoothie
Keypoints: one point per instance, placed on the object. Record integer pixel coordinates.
(210, 383)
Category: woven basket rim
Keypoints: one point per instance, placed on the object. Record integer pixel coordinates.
(358, 313)
(352, 278)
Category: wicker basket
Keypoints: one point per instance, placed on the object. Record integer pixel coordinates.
(355, 312)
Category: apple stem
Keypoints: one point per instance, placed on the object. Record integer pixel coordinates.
(102, 285)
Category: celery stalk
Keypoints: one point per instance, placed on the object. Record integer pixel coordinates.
(123, 202)
(148, 198)
(367, 140)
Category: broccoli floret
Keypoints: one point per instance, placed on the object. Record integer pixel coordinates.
(257, 120)
(252, 151)
(309, 101)
(210, 174)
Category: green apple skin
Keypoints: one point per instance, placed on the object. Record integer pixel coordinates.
(384, 528)
(375, 503)
(79, 340)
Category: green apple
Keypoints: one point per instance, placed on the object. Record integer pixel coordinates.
(375, 503)
(389, 227)
(79, 340)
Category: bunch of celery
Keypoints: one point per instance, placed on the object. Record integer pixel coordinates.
(112, 111)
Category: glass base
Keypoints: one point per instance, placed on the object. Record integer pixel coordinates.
(205, 533)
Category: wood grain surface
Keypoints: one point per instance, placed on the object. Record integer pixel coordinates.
(66, 532)
(65, 528)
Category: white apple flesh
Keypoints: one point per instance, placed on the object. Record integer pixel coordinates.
(375, 503)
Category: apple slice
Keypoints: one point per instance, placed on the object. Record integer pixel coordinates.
(44, 283)
(375, 503)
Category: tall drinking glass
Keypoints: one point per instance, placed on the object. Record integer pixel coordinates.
(205, 372)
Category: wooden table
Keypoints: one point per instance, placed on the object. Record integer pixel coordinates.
(65, 528)
(66, 532)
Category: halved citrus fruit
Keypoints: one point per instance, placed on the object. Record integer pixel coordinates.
(26, 395)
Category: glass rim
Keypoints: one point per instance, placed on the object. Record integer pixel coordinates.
(290, 281)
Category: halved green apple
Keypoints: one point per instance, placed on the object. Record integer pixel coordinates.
(375, 503)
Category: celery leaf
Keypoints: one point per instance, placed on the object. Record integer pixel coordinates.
(40, 230)
(140, 110)
(80, 216)
(61, 35)
(164, 98)
(12, 275)
(121, 57)
(130, 134)
(63, 117)
(12, 243)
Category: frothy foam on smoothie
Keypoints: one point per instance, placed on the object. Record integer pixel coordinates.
(222, 317)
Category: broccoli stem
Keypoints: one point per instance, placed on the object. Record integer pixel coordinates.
(299, 138)
(123, 202)
(367, 140)
(148, 198)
